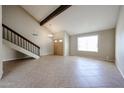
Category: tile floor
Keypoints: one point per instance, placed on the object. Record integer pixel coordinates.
(61, 72)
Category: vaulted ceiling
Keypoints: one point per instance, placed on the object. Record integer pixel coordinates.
(77, 19)
(39, 12)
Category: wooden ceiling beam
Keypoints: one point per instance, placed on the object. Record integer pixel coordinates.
(59, 10)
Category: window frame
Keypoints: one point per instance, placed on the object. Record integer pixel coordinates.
(87, 49)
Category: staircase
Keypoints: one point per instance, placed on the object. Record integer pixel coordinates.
(20, 43)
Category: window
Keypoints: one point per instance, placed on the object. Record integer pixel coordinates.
(88, 43)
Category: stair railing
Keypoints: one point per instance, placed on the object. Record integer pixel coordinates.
(14, 37)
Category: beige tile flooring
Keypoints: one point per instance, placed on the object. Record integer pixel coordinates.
(61, 72)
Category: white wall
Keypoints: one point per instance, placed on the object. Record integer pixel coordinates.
(66, 44)
(14, 54)
(106, 45)
(1, 64)
(19, 20)
(120, 41)
(59, 35)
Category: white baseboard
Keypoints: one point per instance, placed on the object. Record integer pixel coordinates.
(46, 54)
(15, 59)
(96, 58)
(4, 60)
(108, 60)
(119, 70)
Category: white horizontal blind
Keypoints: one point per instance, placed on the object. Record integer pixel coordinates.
(88, 43)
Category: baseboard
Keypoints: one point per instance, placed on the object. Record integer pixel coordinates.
(16, 59)
(96, 58)
(108, 60)
(46, 55)
(119, 70)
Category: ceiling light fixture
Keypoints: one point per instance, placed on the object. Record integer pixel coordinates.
(50, 35)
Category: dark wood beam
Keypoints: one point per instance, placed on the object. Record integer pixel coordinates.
(59, 10)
